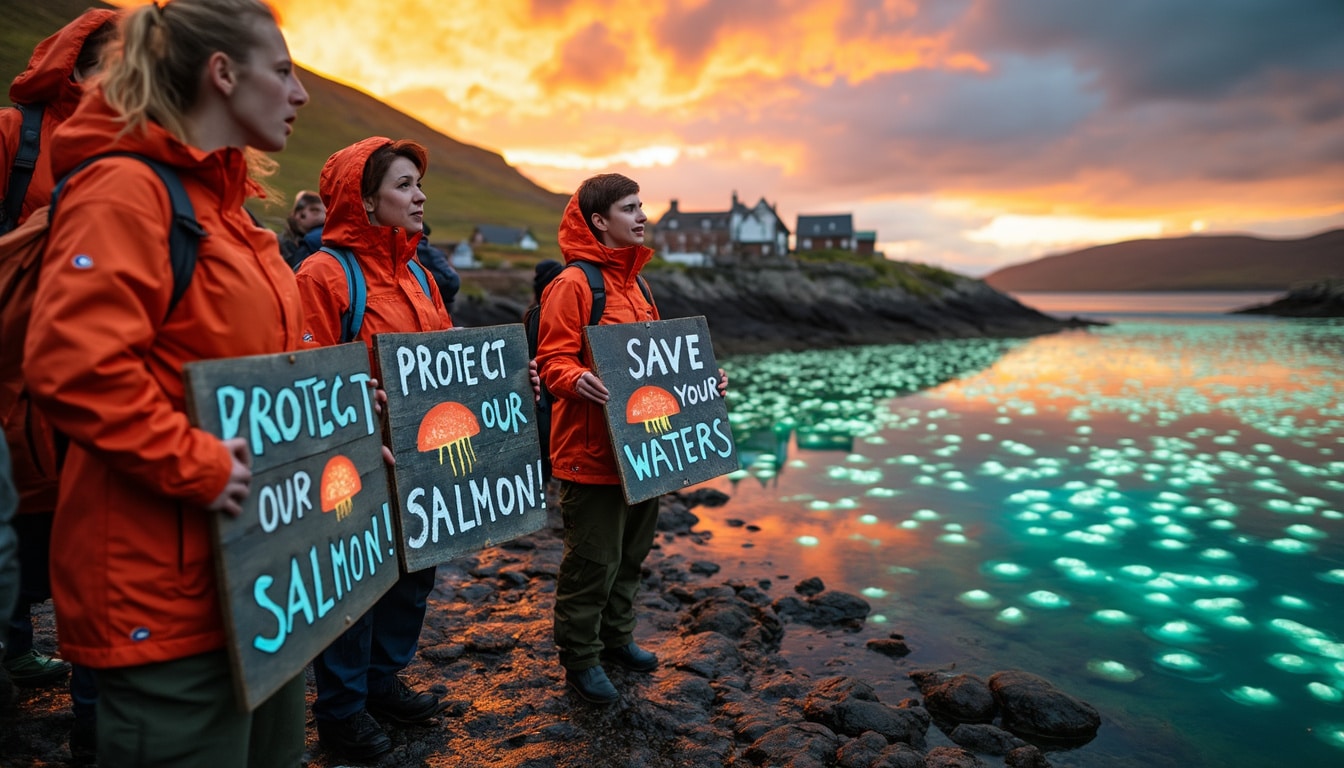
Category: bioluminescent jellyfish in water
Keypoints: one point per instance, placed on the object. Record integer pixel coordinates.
(1027, 516)
(1043, 598)
(808, 541)
(925, 514)
(1252, 696)
(737, 474)
(1061, 515)
(881, 493)
(868, 519)
(978, 598)
(1291, 546)
(846, 503)
(1234, 622)
(1185, 664)
(1042, 531)
(1291, 662)
(1302, 531)
(1112, 617)
(1327, 693)
(1141, 572)
(1006, 570)
(1159, 598)
(797, 464)
(877, 618)
(818, 505)
(1218, 604)
(1176, 531)
(956, 539)
(1214, 554)
(924, 480)
(1293, 602)
(1176, 632)
(1086, 537)
(1170, 545)
(909, 525)
(877, 593)
(1335, 576)
(1115, 671)
(1296, 630)
(1012, 615)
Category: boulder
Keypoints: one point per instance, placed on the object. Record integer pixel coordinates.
(961, 698)
(1034, 709)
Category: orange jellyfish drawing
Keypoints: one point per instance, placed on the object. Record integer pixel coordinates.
(651, 405)
(340, 483)
(450, 427)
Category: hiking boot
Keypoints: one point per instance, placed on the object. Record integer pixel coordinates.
(358, 737)
(632, 657)
(404, 706)
(35, 670)
(592, 685)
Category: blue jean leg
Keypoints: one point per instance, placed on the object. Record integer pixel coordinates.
(373, 650)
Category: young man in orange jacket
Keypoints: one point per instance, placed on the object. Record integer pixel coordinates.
(606, 539)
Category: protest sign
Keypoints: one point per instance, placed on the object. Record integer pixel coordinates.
(463, 430)
(667, 421)
(314, 547)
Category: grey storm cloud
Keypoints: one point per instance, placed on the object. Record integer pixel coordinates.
(1185, 49)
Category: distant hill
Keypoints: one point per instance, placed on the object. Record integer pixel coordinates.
(1196, 263)
(466, 185)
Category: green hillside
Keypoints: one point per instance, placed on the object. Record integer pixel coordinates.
(466, 185)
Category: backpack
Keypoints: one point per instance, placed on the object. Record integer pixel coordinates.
(532, 323)
(35, 449)
(25, 160)
(352, 320)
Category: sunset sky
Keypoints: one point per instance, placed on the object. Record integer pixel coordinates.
(969, 133)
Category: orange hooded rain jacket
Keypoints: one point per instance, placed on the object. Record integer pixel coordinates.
(396, 303)
(48, 80)
(581, 449)
(131, 567)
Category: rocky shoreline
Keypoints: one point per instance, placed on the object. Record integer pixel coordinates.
(791, 305)
(725, 694)
(1323, 298)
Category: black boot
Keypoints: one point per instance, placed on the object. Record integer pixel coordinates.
(592, 685)
(632, 657)
(358, 737)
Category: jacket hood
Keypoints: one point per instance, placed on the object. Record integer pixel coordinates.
(49, 76)
(347, 224)
(96, 128)
(577, 243)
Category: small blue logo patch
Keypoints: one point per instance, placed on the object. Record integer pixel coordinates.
(82, 261)
(307, 337)
(140, 633)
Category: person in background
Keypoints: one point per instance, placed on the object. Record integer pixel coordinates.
(303, 228)
(606, 538)
(375, 211)
(53, 82)
(198, 85)
(436, 261)
(542, 275)
(9, 566)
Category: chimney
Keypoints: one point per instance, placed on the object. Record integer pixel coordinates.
(672, 206)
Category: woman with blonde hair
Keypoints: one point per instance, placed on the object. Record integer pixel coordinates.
(198, 86)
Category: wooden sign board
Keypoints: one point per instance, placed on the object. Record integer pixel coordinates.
(464, 432)
(314, 547)
(667, 421)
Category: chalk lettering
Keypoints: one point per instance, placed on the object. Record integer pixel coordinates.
(663, 356)
(282, 415)
(283, 503)
(673, 451)
(454, 365)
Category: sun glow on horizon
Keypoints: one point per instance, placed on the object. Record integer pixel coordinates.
(1026, 230)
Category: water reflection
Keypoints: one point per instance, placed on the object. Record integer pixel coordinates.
(1148, 513)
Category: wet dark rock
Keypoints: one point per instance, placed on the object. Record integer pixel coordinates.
(736, 619)
(704, 567)
(826, 609)
(986, 739)
(1035, 709)
(952, 757)
(676, 519)
(1322, 298)
(707, 654)
(850, 707)
(960, 698)
(861, 752)
(489, 640)
(733, 522)
(796, 745)
(894, 646)
(704, 497)
(1026, 757)
(809, 587)
(899, 756)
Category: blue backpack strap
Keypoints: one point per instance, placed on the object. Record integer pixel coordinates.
(25, 160)
(352, 320)
(421, 276)
(185, 233)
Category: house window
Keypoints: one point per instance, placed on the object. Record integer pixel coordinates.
(704, 224)
(765, 250)
(672, 224)
(807, 243)
(831, 226)
(844, 243)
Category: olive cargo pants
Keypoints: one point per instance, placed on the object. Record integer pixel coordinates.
(606, 541)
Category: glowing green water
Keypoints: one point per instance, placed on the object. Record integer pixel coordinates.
(1149, 514)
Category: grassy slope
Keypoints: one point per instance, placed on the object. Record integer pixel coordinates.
(466, 185)
(1215, 262)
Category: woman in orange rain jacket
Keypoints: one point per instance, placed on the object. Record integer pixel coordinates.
(198, 82)
(54, 80)
(375, 210)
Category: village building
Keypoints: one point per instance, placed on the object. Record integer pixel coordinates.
(740, 234)
(830, 232)
(493, 234)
